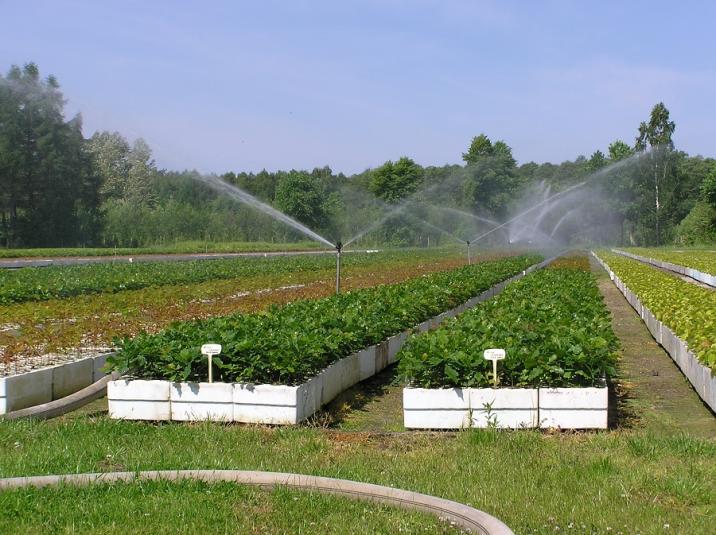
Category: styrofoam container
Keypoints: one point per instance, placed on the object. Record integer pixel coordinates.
(202, 401)
(139, 400)
(71, 377)
(652, 324)
(394, 345)
(573, 408)
(339, 376)
(514, 408)
(3, 397)
(265, 404)
(436, 408)
(366, 359)
(25, 390)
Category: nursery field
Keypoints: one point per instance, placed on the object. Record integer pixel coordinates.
(703, 260)
(34, 328)
(649, 473)
(59, 282)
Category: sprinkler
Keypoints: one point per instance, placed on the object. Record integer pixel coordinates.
(339, 247)
(469, 260)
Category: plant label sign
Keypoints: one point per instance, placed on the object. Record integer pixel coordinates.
(494, 355)
(210, 350)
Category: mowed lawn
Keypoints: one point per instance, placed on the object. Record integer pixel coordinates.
(630, 481)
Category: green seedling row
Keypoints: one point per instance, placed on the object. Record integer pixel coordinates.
(687, 309)
(553, 325)
(704, 261)
(40, 284)
(289, 344)
(186, 247)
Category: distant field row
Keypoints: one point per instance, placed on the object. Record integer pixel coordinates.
(58, 282)
(176, 248)
(34, 328)
(703, 260)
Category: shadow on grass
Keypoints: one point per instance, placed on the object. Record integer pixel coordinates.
(357, 403)
(622, 413)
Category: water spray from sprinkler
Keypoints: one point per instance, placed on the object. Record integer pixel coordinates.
(533, 208)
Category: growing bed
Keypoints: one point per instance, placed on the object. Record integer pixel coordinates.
(560, 348)
(280, 366)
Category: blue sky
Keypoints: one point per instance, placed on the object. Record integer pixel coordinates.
(237, 85)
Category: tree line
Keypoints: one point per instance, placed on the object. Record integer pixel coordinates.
(58, 188)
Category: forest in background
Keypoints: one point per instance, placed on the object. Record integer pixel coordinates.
(60, 189)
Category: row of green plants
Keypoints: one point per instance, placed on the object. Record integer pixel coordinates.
(687, 309)
(43, 283)
(701, 260)
(289, 344)
(183, 247)
(553, 325)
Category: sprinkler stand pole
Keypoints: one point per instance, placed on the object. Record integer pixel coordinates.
(339, 246)
(469, 260)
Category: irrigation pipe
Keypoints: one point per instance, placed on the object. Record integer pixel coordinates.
(66, 404)
(462, 515)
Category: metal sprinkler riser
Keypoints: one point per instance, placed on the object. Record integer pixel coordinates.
(339, 248)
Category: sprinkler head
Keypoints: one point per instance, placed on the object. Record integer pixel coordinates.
(339, 246)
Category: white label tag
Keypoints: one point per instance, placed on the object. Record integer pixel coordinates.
(494, 354)
(211, 349)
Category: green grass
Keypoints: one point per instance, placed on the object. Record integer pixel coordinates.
(630, 481)
(186, 247)
(191, 507)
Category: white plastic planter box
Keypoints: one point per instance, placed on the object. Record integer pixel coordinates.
(573, 408)
(139, 400)
(514, 408)
(439, 408)
(201, 401)
(25, 390)
(47, 384)
(458, 408)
